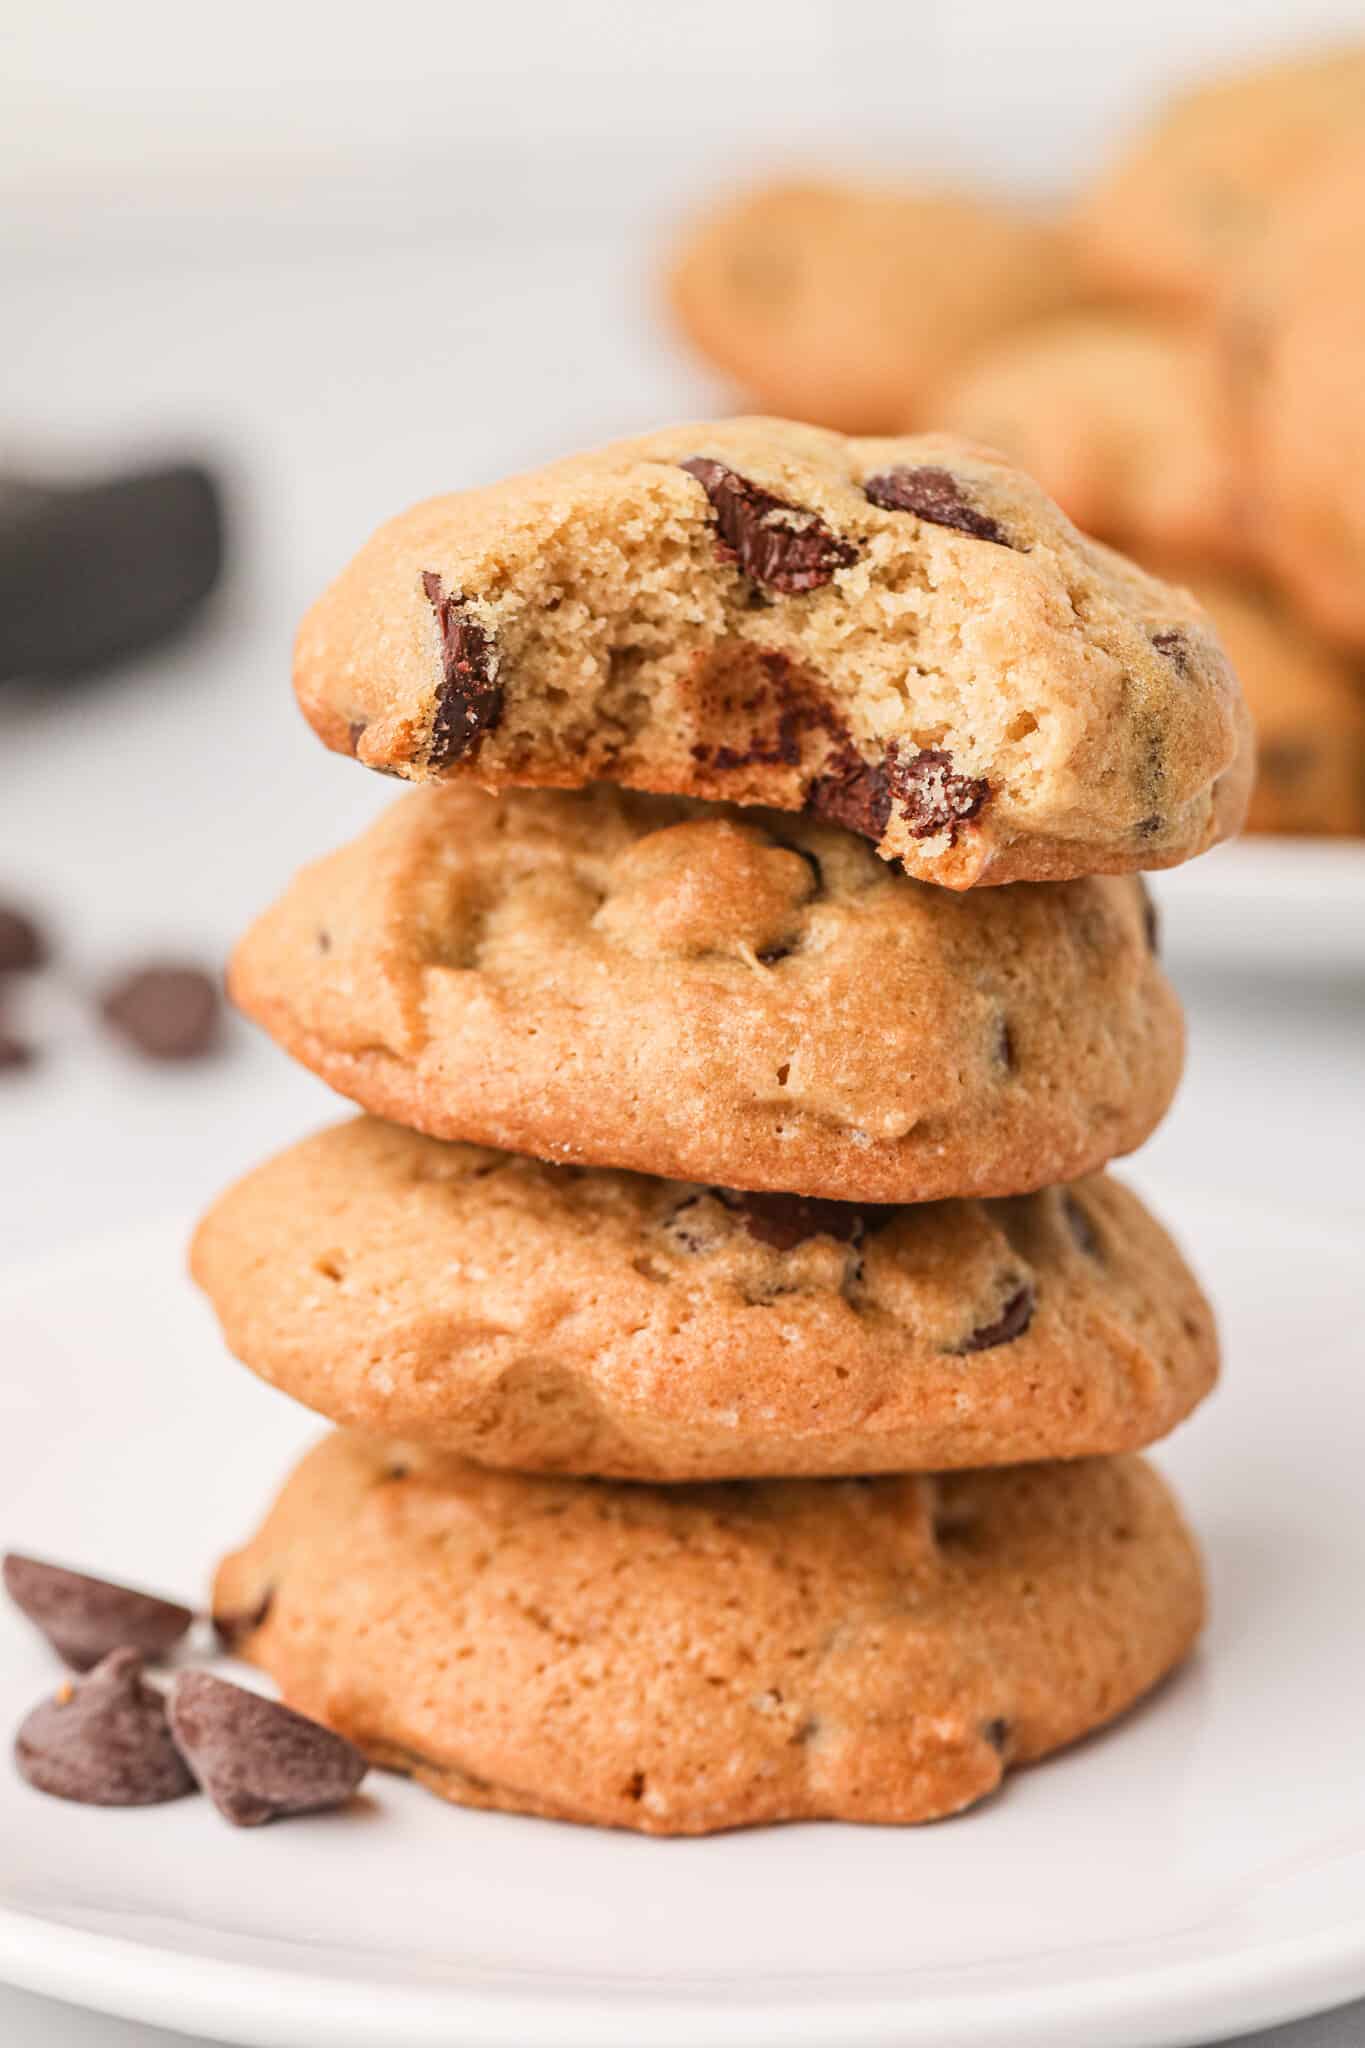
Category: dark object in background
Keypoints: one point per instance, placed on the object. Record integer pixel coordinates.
(165, 1010)
(104, 1741)
(92, 572)
(14, 1052)
(86, 1618)
(22, 945)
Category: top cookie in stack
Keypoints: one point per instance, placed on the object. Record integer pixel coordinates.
(903, 636)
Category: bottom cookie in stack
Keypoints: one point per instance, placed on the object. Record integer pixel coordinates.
(684, 1659)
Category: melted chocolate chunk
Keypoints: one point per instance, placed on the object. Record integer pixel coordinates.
(469, 701)
(1012, 1321)
(777, 543)
(930, 794)
(84, 1618)
(853, 793)
(1080, 1226)
(784, 1221)
(936, 495)
(22, 945)
(165, 1011)
(997, 1733)
(232, 1630)
(1004, 1044)
(255, 1759)
(1172, 643)
(104, 1741)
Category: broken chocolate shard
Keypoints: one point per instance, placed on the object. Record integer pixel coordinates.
(778, 544)
(469, 699)
(85, 1618)
(1012, 1321)
(930, 795)
(103, 1741)
(256, 1759)
(936, 495)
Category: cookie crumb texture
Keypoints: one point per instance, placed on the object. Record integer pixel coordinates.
(684, 1660)
(905, 636)
(553, 1318)
(738, 998)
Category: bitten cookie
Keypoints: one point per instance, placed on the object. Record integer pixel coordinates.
(556, 1318)
(1125, 421)
(683, 1659)
(1307, 703)
(734, 997)
(845, 304)
(1190, 202)
(904, 637)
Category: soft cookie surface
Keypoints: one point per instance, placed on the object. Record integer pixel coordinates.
(740, 998)
(679, 1660)
(554, 1318)
(905, 637)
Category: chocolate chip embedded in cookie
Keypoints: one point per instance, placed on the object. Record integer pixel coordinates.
(905, 636)
(846, 304)
(683, 1659)
(552, 1318)
(744, 999)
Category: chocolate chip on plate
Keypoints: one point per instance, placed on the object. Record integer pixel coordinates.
(85, 1618)
(255, 1759)
(22, 944)
(103, 1740)
(166, 1010)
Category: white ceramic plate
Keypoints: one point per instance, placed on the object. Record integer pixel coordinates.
(1197, 1870)
(1281, 904)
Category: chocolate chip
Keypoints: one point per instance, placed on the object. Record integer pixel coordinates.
(1148, 827)
(936, 495)
(1080, 1226)
(22, 945)
(853, 793)
(232, 1629)
(1151, 918)
(789, 549)
(930, 794)
(469, 700)
(255, 1759)
(355, 733)
(1004, 1044)
(166, 1011)
(15, 1053)
(85, 1618)
(997, 1733)
(784, 1221)
(103, 1741)
(1172, 643)
(1012, 1321)
(770, 955)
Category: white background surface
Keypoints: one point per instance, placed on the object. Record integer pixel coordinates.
(362, 260)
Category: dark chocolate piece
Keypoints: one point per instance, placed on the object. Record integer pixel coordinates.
(1172, 643)
(853, 793)
(469, 700)
(103, 1740)
(256, 1759)
(22, 945)
(781, 545)
(165, 1010)
(85, 1618)
(930, 795)
(1012, 1321)
(936, 495)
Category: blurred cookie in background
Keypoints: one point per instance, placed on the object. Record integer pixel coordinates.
(1307, 311)
(847, 305)
(1126, 421)
(1191, 198)
(1307, 705)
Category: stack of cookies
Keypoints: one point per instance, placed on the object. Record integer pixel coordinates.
(737, 1349)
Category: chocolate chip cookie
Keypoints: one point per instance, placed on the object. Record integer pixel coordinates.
(740, 998)
(557, 1318)
(683, 1659)
(1191, 200)
(845, 304)
(903, 636)
(1126, 421)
